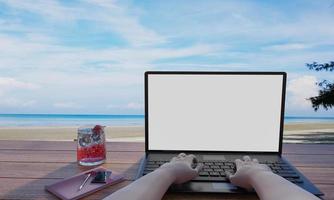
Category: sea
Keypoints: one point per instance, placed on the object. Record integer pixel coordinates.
(46, 120)
(33, 120)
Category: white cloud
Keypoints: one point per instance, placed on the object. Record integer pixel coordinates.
(109, 14)
(14, 102)
(28, 103)
(112, 106)
(232, 36)
(288, 47)
(49, 8)
(10, 85)
(66, 105)
(40, 52)
(129, 106)
(300, 89)
(120, 20)
(7, 84)
(134, 105)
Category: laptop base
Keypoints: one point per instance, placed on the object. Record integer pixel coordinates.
(195, 186)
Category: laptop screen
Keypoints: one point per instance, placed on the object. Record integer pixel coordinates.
(214, 112)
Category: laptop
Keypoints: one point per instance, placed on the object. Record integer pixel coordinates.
(218, 117)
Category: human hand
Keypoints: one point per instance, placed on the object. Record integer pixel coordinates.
(183, 167)
(247, 168)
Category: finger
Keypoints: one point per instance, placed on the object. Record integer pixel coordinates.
(174, 158)
(181, 155)
(194, 162)
(191, 155)
(193, 158)
(199, 167)
(229, 175)
(246, 158)
(255, 160)
(238, 163)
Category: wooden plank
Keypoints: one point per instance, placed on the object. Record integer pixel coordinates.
(63, 156)
(26, 167)
(318, 175)
(134, 157)
(62, 170)
(34, 189)
(65, 145)
(309, 149)
(174, 196)
(58, 170)
(139, 146)
(310, 160)
(328, 190)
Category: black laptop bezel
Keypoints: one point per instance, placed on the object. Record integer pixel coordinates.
(147, 73)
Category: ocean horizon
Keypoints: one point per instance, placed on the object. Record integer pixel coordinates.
(31, 120)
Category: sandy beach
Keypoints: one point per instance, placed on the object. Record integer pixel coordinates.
(293, 133)
(115, 133)
(309, 133)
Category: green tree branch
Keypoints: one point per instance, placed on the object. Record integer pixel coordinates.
(326, 92)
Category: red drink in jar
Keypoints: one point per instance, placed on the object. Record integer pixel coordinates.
(91, 146)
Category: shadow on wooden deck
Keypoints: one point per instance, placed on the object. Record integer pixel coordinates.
(309, 138)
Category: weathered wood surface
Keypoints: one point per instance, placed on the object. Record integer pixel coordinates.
(27, 166)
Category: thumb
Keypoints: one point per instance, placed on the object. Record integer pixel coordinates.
(232, 178)
(229, 175)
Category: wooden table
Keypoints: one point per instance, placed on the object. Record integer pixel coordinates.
(27, 166)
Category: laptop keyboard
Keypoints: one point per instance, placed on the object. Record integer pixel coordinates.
(284, 170)
(216, 170)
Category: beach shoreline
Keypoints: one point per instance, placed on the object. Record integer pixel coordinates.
(301, 132)
(309, 133)
(69, 133)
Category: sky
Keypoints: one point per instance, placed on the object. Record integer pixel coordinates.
(89, 56)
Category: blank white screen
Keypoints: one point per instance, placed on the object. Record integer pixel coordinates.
(223, 112)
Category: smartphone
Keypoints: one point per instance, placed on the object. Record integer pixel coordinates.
(101, 177)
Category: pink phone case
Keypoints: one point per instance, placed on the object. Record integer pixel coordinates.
(68, 189)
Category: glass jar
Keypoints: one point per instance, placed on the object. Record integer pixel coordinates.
(91, 148)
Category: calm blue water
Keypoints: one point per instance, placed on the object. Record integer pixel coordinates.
(13, 120)
(295, 119)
